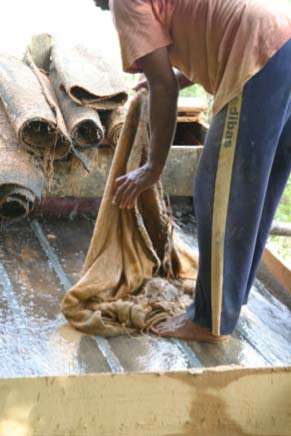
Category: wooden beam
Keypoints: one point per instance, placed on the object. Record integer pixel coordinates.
(280, 229)
(177, 177)
(192, 105)
(278, 269)
(224, 401)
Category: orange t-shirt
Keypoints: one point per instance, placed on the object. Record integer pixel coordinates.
(218, 43)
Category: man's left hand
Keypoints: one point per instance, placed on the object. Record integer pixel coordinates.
(131, 185)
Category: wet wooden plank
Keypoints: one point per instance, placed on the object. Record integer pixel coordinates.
(273, 347)
(50, 345)
(12, 358)
(225, 401)
(147, 353)
(265, 324)
(103, 344)
(16, 345)
(272, 312)
(263, 340)
(70, 240)
(236, 351)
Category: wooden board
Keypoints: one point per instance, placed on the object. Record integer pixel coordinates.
(177, 177)
(190, 118)
(215, 402)
(279, 269)
(191, 105)
(40, 260)
(36, 338)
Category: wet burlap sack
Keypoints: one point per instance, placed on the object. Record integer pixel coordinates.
(134, 271)
(89, 77)
(21, 178)
(30, 111)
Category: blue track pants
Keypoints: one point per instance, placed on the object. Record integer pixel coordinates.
(241, 176)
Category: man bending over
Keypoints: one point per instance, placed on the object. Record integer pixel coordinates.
(239, 51)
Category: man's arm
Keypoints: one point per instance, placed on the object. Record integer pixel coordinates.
(182, 80)
(163, 96)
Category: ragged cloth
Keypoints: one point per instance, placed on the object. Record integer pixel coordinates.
(134, 272)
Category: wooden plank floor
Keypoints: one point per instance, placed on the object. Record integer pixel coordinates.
(44, 343)
(36, 340)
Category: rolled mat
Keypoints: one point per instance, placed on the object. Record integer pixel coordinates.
(26, 106)
(114, 124)
(21, 179)
(63, 140)
(83, 124)
(134, 270)
(89, 77)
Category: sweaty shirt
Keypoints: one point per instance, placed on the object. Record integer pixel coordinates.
(219, 44)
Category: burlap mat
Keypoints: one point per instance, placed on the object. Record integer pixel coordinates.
(134, 270)
(83, 124)
(88, 77)
(63, 140)
(21, 179)
(27, 107)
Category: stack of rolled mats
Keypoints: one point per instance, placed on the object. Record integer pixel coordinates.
(51, 106)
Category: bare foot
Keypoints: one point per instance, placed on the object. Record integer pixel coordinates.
(182, 327)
